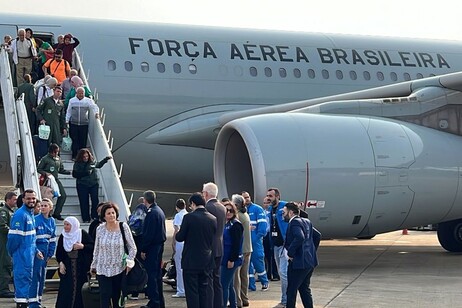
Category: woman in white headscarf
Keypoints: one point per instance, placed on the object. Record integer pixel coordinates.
(74, 253)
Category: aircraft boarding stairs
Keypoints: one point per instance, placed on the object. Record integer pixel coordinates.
(22, 159)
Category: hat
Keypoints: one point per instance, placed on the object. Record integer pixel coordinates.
(69, 36)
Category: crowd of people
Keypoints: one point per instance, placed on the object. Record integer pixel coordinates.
(219, 249)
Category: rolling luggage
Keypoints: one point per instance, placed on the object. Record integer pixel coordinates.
(40, 147)
(90, 293)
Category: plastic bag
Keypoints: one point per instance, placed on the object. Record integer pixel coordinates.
(44, 131)
(66, 145)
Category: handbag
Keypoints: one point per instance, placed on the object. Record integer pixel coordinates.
(66, 144)
(44, 131)
(137, 278)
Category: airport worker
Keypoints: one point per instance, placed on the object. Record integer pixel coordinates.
(57, 67)
(152, 248)
(6, 211)
(77, 119)
(232, 253)
(198, 231)
(210, 193)
(23, 55)
(180, 207)
(258, 227)
(30, 102)
(45, 229)
(22, 248)
(302, 241)
(50, 112)
(51, 164)
(278, 228)
(241, 276)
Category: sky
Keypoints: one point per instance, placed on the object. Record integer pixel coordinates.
(403, 18)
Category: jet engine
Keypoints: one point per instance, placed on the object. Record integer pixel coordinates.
(357, 176)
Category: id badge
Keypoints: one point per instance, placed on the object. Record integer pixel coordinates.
(274, 234)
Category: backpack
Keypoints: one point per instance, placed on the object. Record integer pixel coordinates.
(136, 220)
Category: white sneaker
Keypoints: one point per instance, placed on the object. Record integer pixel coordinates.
(133, 297)
(178, 295)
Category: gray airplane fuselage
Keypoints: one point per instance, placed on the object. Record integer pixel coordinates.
(159, 83)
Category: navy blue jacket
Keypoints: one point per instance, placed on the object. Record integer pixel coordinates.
(302, 241)
(153, 228)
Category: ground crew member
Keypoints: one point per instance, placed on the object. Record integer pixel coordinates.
(6, 212)
(45, 229)
(22, 248)
(258, 228)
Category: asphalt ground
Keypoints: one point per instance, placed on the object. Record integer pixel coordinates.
(390, 270)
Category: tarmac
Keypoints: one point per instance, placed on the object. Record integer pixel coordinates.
(390, 270)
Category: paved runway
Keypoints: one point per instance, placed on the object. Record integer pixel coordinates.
(390, 270)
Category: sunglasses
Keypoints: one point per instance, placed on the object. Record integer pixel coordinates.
(229, 210)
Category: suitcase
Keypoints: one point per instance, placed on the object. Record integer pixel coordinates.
(40, 147)
(90, 293)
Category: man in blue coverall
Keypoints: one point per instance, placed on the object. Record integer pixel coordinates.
(22, 247)
(258, 228)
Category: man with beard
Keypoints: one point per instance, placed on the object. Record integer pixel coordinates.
(22, 247)
(302, 241)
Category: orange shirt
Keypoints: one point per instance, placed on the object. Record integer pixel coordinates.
(58, 69)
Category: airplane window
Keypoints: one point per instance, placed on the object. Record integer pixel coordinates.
(311, 74)
(238, 71)
(339, 74)
(282, 72)
(253, 71)
(419, 76)
(325, 74)
(367, 75)
(111, 65)
(407, 77)
(393, 76)
(380, 76)
(297, 73)
(177, 68)
(192, 68)
(268, 72)
(161, 67)
(145, 67)
(128, 66)
(353, 75)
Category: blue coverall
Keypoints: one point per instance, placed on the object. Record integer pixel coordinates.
(258, 227)
(46, 243)
(22, 248)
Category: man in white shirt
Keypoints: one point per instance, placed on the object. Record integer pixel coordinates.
(23, 55)
(178, 247)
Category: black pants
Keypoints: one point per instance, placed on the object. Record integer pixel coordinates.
(61, 200)
(109, 290)
(299, 279)
(217, 288)
(198, 286)
(83, 191)
(79, 135)
(155, 284)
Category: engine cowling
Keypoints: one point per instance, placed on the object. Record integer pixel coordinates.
(364, 175)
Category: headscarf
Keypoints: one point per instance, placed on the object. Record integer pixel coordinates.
(77, 81)
(74, 235)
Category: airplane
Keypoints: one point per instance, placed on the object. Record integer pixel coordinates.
(364, 131)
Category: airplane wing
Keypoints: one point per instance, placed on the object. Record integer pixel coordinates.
(200, 127)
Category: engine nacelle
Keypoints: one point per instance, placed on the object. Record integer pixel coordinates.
(364, 175)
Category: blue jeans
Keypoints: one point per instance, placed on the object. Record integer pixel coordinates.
(282, 261)
(227, 275)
